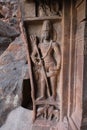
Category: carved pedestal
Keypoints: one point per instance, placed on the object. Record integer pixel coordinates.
(44, 125)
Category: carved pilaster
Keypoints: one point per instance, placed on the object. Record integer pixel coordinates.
(79, 111)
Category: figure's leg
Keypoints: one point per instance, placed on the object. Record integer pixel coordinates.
(42, 88)
(53, 81)
(43, 85)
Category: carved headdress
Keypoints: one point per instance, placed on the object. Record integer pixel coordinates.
(47, 26)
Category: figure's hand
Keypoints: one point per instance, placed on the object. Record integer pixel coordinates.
(36, 61)
(40, 63)
(53, 71)
(33, 38)
(58, 67)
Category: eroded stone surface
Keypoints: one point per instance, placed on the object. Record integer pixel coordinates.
(7, 31)
(11, 78)
(9, 23)
(18, 119)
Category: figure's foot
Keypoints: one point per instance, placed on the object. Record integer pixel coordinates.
(40, 98)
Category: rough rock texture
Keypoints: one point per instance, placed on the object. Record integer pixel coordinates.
(7, 31)
(11, 63)
(4, 43)
(7, 35)
(9, 23)
(18, 119)
(12, 58)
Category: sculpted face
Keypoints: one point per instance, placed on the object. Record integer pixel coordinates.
(46, 35)
(46, 30)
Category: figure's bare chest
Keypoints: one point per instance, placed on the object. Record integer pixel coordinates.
(45, 47)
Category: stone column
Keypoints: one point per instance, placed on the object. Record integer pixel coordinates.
(79, 113)
(72, 59)
(84, 91)
(65, 57)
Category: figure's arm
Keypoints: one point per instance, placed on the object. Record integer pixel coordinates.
(34, 54)
(57, 55)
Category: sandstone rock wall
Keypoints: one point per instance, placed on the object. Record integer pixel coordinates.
(12, 58)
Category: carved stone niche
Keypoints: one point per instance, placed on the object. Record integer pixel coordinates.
(44, 59)
(48, 8)
(43, 38)
(55, 58)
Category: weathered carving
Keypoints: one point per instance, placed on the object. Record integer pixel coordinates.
(48, 65)
(48, 112)
(48, 8)
(45, 56)
(53, 113)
